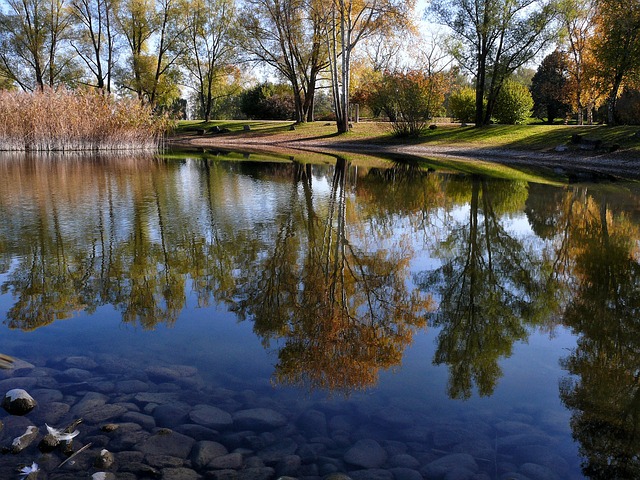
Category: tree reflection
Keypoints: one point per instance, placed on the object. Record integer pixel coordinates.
(491, 286)
(338, 305)
(604, 390)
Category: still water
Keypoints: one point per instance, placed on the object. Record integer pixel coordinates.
(264, 318)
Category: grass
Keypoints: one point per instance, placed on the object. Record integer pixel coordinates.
(516, 137)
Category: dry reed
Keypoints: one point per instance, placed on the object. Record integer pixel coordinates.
(61, 120)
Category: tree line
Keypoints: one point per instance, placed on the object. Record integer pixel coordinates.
(155, 50)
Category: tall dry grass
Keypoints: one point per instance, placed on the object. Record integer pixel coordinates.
(62, 120)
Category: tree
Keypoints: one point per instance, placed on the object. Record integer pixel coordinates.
(617, 46)
(493, 38)
(153, 33)
(94, 39)
(577, 17)
(267, 102)
(210, 49)
(549, 87)
(347, 22)
(285, 34)
(32, 36)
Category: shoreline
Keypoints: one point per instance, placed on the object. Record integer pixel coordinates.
(576, 165)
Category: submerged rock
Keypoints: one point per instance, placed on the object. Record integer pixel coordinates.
(18, 402)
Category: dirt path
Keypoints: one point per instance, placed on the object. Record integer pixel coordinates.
(575, 164)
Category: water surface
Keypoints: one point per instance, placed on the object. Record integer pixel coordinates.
(470, 326)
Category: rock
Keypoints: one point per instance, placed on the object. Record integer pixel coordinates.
(164, 461)
(172, 373)
(170, 415)
(367, 454)
(211, 417)
(401, 473)
(23, 441)
(167, 442)
(180, 474)
(246, 128)
(404, 460)
(104, 460)
(75, 375)
(18, 383)
(444, 465)
(18, 402)
(52, 413)
(537, 472)
(205, 451)
(276, 452)
(145, 421)
(371, 474)
(393, 417)
(509, 442)
(288, 465)
(83, 362)
(48, 443)
(46, 395)
(257, 473)
(222, 475)
(230, 461)
(197, 432)
(131, 386)
(314, 423)
(103, 476)
(561, 148)
(258, 419)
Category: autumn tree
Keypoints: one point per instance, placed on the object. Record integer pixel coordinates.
(617, 47)
(492, 38)
(549, 87)
(209, 50)
(577, 18)
(94, 38)
(346, 24)
(286, 36)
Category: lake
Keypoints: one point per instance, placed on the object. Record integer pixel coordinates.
(256, 316)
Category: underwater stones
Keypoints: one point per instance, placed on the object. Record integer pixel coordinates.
(366, 453)
(181, 473)
(167, 442)
(18, 383)
(74, 375)
(104, 459)
(210, 416)
(23, 441)
(463, 462)
(537, 472)
(230, 461)
(80, 361)
(313, 422)
(170, 415)
(371, 474)
(170, 374)
(145, 421)
(404, 460)
(18, 402)
(205, 451)
(402, 473)
(258, 419)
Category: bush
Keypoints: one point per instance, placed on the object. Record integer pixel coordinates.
(513, 104)
(268, 102)
(462, 104)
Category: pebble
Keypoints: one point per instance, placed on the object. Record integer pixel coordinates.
(210, 416)
(167, 442)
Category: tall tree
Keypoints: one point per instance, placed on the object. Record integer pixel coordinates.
(32, 36)
(153, 32)
(577, 17)
(285, 34)
(347, 22)
(94, 39)
(210, 48)
(493, 38)
(617, 46)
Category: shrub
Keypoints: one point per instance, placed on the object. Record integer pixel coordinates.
(268, 102)
(462, 104)
(513, 104)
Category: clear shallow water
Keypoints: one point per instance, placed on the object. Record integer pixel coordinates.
(471, 327)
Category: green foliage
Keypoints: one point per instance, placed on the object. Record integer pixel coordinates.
(267, 101)
(513, 103)
(549, 89)
(462, 104)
